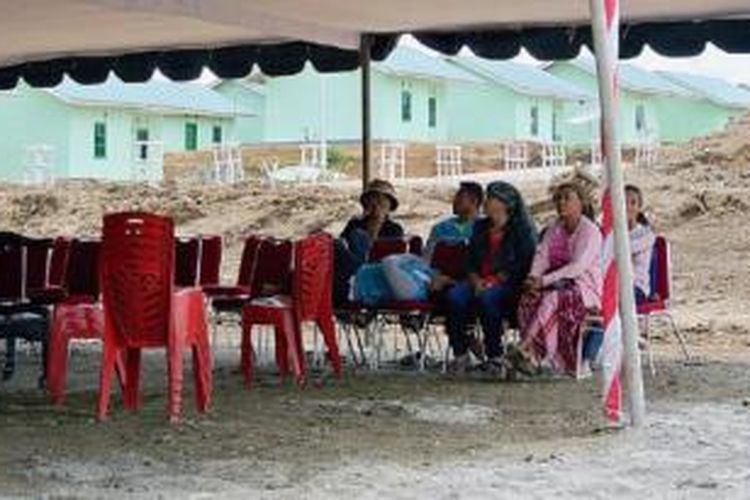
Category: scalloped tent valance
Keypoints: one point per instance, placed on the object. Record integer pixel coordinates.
(43, 40)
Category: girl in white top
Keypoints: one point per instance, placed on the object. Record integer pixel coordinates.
(641, 242)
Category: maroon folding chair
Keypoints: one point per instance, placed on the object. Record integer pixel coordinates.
(658, 304)
(210, 260)
(187, 255)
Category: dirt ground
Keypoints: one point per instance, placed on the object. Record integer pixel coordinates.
(397, 433)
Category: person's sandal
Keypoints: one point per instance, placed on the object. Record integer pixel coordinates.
(520, 362)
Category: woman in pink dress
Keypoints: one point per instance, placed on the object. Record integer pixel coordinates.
(564, 285)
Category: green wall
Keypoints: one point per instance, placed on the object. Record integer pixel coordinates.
(250, 110)
(682, 119)
(584, 134)
(30, 117)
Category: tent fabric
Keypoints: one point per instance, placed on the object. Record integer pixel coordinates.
(86, 39)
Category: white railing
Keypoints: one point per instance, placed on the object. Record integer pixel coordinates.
(392, 161)
(553, 155)
(227, 164)
(515, 155)
(311, 155)
(448, 160)
(647, 152)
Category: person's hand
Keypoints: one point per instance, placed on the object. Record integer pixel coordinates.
(532, 283)
(477, 283)
(439, 282)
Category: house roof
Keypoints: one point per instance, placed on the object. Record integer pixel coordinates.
(412, 62)
(166, 96)
(523, 78)
(633, 78)
(716, 90)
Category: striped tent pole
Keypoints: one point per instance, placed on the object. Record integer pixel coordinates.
(620, 323)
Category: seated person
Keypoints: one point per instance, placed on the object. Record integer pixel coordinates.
(642, 239)
(564, 284)
(500, 254)
(409, 276)
(350, 251)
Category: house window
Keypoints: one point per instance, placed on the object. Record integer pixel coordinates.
(100, 140)
(534, 125)
(432, 112)
(191, 136)
(405, 106)
(216, 135)
(141, 137)
(640, 118)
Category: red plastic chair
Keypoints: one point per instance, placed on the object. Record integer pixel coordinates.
(187, 255)
(210, 260)
(78, 317)
(383, 247)
(658, 304)
(38, 252)
(59, 261)
(142, 310)
(310, 300)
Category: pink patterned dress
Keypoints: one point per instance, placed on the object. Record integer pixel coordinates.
(569, 267)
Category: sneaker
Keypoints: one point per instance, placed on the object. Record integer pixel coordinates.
(459, 365)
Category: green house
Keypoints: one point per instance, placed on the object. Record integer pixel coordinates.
(514, 102)
(714, 104)
(639, 92)
(112, 131)
(409, 93)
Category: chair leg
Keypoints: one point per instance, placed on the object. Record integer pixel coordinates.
(680, 338)
(202, 372)
(174, 369)
(10, 356)
(109, 358)
(649, 345)
(131, 391)
(292, 335)
(57, 364)
(328, 328)
(246, 352)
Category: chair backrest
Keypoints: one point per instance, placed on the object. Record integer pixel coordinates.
(58, 264)
(660, 271)
(248, 260)
(12, 264)
(187, 252)
(383, 247)
(82, 273)
(273, 266)
(313, 276)
(210, 261)
(137, 274)
(450, 257)
(416, 244)
(38, 252)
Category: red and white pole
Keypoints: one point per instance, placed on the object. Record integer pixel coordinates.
(619, 315)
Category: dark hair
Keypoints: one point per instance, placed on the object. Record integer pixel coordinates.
(474, 190)
(635, 190)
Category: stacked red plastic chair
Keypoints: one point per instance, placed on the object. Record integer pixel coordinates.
(142, 310)
(187, 258)
(310, 301)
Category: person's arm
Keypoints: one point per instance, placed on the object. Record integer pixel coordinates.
(586, 253)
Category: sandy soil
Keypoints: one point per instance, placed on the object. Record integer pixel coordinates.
(396, 433)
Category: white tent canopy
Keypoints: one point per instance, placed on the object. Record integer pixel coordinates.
(45, 29)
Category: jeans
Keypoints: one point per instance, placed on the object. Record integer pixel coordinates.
(492, 305)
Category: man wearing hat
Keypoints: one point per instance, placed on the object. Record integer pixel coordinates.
(378, 201)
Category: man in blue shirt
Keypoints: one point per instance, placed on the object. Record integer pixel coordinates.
(466, 206)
